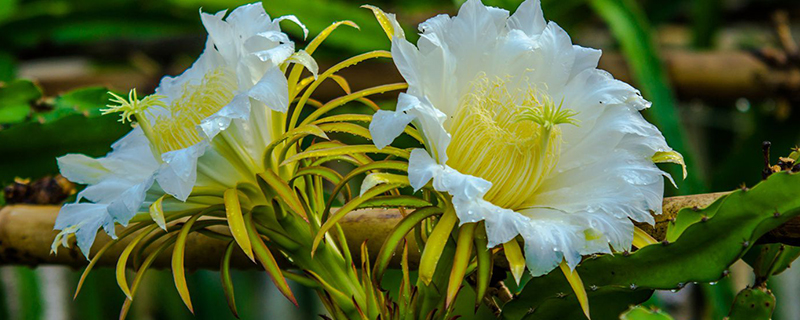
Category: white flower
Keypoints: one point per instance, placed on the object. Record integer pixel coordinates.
(525, 133)
(205, 129)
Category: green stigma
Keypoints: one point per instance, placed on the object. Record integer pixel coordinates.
(132, 106)
(548, 114)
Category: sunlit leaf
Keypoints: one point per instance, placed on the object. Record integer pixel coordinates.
(436, 242)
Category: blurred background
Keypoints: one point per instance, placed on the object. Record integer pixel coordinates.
(723, 76)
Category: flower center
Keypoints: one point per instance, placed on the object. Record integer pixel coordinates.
(174, 126)
(507, 136)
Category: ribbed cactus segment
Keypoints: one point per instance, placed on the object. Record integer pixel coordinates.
(753, 304)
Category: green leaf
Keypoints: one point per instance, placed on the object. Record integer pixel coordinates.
(227, 282)
(631, 28)
(394, 202)
(347, 208)
(30, 149)
(8, 67)
(128, 231)
(90, 99)
(643, 313)
(460, 261)
(702, 253)
(233, 212)
(434, 247)
(141, 272)
(397, 235)
(347, 150)
(122, 261)
(267, 260)
(706, 18)
(7, 8)
(16, 100)
(271, 183)
(178, 271)
(485, 259)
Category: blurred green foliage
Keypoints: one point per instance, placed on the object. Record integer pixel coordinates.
(40, 129)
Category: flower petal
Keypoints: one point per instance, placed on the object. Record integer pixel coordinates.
(528, 18)
(272, 90)
(83, 220)
(178, 173)
(294, 19)
(388, 125)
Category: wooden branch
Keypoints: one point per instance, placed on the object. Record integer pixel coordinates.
(26, 233)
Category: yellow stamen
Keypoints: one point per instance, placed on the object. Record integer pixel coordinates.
(509, 137)
(174, 127)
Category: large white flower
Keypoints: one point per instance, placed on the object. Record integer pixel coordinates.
(206, 129)
(525, 133)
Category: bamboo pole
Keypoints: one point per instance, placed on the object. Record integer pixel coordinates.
(26, 232)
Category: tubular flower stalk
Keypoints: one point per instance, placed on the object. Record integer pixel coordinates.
(523, 132)
(201, 133)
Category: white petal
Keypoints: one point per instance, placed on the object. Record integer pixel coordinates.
(429, 121)
(501, 223)
(528, 18)
(81, 169)
(129, 202)
(82, 219)
(388, 125)
(460, 185)
(238, 108)
(108, 189)
(220, 34)
(294, 19)
(249, 19)
(585, 58)
(178, 173)
(549, 237)
(272, 90)
(436, 25)
(172, 87)
(553, 58)
(276, 55)
(304, 59)
(421, 168)
(405, 57)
